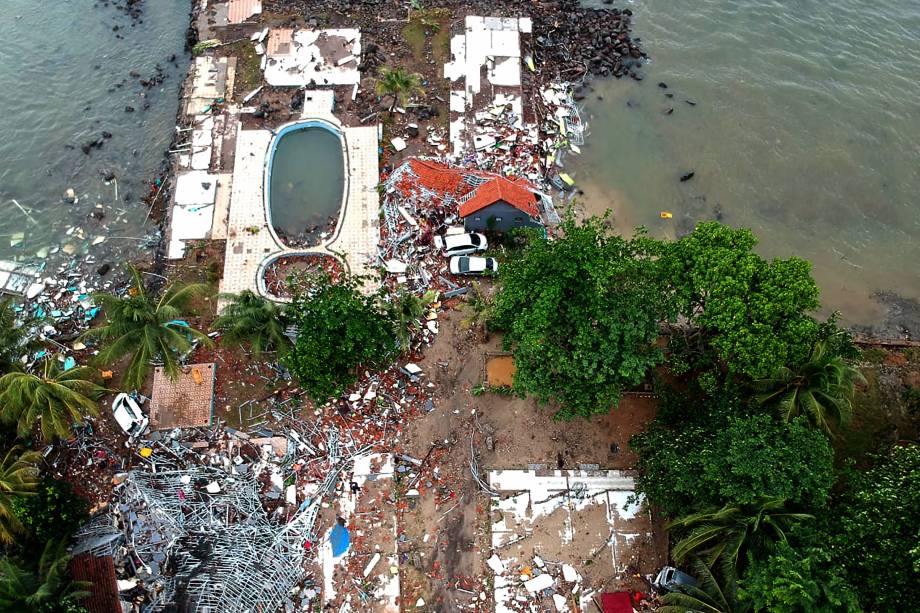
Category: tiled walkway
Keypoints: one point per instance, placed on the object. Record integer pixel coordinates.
(250, 241)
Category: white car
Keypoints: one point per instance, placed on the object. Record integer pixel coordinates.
(460, 244)
(467, 265)
(128, 415)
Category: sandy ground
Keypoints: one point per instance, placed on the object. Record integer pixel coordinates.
(447, 525)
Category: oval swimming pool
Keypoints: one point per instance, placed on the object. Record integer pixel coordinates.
(306, 181)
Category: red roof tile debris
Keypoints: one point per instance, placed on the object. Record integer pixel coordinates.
(100, 571)
(514, 193)
(436, 176)
(446, 180)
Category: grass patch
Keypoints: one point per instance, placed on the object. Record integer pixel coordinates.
(248, 66)
(427, 24)
(440, 43)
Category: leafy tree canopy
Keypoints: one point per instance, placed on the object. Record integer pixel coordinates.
(737, 461)
(53, 512)
(752, 313)
(338, 330)
(800, 580)
(878, 531)
(581, 315)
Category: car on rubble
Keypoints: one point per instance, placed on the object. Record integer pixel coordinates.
(128, 415)
(470, 265)
(670, 579)
(460, 244)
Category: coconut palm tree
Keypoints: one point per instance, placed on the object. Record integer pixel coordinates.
(54, 397)
(405, 310)
(253, 320)
(149, 330)
(399, 83)
(707, 596)
(821, 389)
(18, 477)
(726, 535)
(12, 338)
(25, 589)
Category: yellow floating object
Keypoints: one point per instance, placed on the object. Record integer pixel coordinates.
(666, 214)
(107, 374)
(565, 177)
(146, 452)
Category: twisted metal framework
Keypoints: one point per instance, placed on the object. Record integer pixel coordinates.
(205, 543)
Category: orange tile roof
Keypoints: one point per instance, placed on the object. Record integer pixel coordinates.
(514, 193)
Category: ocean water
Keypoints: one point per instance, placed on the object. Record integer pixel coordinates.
(64, 80)
(806, 129)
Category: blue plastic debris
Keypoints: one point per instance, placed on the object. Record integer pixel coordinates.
(69, 363)
(340, 539)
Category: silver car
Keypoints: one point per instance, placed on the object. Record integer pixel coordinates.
(469, 265)
(460, 244)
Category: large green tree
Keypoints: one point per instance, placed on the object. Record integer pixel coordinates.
(733, 460)
(339, 331)
(55, 398)
(728, 536)
(251, 319)
(752, 315)
(148, 329)
(581, 313)
(820, 389)
(876, 533)
(18, 478)
(798, 580)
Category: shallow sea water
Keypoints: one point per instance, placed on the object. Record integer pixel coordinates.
(806, 129)
(64, 79)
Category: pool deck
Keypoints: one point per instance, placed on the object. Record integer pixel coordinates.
(250, 242)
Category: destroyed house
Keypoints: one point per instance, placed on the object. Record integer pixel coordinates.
(485, 200)
(500, 205)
